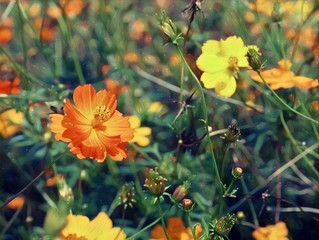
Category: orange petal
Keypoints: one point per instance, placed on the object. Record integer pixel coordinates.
(85, 99)
(107, 99)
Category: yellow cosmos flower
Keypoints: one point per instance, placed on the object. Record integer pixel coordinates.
(220, 61)
(10, 122)
(100, 228)
(141, 134)
(272, 232)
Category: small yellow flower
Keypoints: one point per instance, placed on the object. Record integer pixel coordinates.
(220, 61)
(141, 134)
(272, 232)
(100, 228)
(10, 122)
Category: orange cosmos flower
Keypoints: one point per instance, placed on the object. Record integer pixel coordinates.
(175, 230)
(115, 87)
(10, 87)
(93, 128)
(16, 203)
(282, 77)
(278, 231)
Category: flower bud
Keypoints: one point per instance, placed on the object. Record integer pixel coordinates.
(168, 29)
(232, 134)
(276, 13)
(237, 172)
(225, 224)
(254, 58)
(155, 183)
(187, 204)
(181, 191)
(128, 195)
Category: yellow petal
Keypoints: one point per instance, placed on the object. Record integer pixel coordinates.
(134, 121)
(212, 63)
(228, 89)
(145, 131)
(211, 46)
(210, 80)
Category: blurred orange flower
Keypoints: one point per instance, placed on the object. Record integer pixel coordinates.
(10, 87)
(16, 203)
(115, 87)
(6, 32)
(93, 128)
(100, 228)
(175, 230)
(282, 77)
(10, 122)
(278, 231)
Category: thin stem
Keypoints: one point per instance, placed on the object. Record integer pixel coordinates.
(222, 170)
(144, 229)
(29, 184)
(295, 144)
(229, 187)
(283, 102)
(190, 226)
(162, 217)
(13, 218)
(200, 88)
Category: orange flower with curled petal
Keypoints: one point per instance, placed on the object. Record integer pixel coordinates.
(10, 87)
(278, 231)
(175, 230)
(282, 77)
(93, 128)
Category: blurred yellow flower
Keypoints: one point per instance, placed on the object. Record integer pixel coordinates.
(100, 228)
(10, 122)
(141, 134)
(278, 231)
(282, 77)
(220, 61)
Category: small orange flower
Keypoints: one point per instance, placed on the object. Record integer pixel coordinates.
(10, 87)
(278, 231)
(6, 32)
(282, 77)
(93, 128)
(115, 87)
(175, 230)
(16, 203)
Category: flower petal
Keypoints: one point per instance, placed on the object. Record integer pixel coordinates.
(211, 63)
(211, 46)
(85, 99)
(228, 89)
(107, 99)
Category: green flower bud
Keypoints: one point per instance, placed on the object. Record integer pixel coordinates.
(254, 58)
(168, 29)
(237, 172)
(155, 183)
(225, 224)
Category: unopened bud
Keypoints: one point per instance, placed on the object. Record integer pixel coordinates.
(181, 191)
(237, 172)
(155, 183)
(225, 224)
(276, 13)
(168, 29)
(254, 58)
(128, 195)
(187, 204)
(232, 134)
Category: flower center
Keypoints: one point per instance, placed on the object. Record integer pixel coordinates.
(101, 114)
(233, 64)
(73, 236)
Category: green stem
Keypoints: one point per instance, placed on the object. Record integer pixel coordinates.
(162, 217)
(295, 144)
(190, 226)
(201, 92)
(144, 229)
(29, 184)
(13, 218)
(66, 30)
(229, 187)
(283, 102)
(224, 163)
